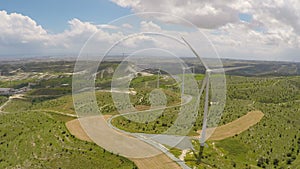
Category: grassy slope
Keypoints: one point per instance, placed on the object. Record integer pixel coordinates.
(3, 99)
(275, 138)
(65, 103)
(40, 140)
(62, 104)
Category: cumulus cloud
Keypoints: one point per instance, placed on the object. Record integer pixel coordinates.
(274, 25)
(205, 14)
(20, 34)
(271, 30)
(16, 28)
(126, 25)
(150, 27)
(106, 26)
(213, 14)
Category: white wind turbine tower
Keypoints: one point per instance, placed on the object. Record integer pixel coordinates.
(206, 85)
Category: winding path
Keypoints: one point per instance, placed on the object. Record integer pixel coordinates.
(123, 144)
(17, 96)
(145, 152)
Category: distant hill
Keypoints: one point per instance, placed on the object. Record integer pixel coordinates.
(254, 68)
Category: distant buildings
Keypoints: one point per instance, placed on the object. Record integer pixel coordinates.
(6, 91)
(65, 85)
(31, 85)
(21, 90)
(11, 91)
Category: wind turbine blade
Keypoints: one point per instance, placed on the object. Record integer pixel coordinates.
(206, 105)
(195, 53)
(202, 87)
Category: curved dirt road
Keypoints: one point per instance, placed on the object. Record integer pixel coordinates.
(103, 133)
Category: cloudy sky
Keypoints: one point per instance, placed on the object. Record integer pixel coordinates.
(240, 29)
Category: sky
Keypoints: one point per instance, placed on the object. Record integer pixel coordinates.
(238, 29)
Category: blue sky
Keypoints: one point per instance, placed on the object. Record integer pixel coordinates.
(245, 17)
(238, 29)
(54, 15)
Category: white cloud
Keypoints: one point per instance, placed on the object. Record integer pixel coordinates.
(150, 27)
(127, 3)
(106, 26)
(136, 41)
(206, 14)
(213, 13)
(16, 28)
(20, 35)
(126, 25)
(273, 29)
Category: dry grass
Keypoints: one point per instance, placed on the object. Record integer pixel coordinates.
(160, 161)
(75, 129)
(235, 127)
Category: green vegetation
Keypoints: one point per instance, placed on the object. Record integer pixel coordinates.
(18, 106)
(3, 99)
(33, 135)
(16, 83)
(12, 68)
(211, 157)
(273, 142)
(175, 151)
(39, 140)
(161, 124)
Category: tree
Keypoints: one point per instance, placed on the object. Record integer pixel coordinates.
(260, 162)
(275, 162)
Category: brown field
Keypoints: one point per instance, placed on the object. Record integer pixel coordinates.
(75, 129)
(235, 127)
(142, 107)
(159, 161)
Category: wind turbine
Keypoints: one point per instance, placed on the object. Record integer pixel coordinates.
(205, 85)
